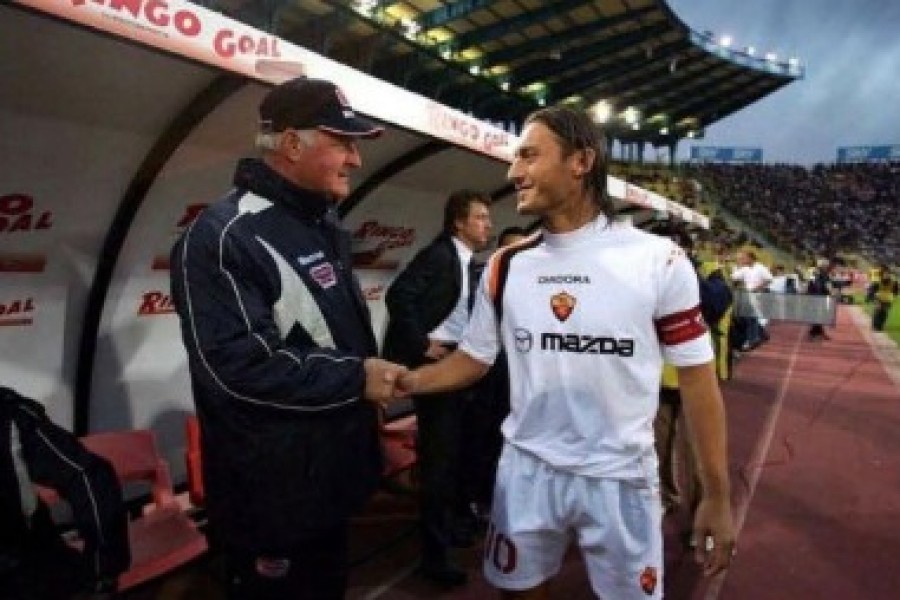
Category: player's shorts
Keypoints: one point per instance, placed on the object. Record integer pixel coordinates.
(539, 510)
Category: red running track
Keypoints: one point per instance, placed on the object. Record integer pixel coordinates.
(815, 465)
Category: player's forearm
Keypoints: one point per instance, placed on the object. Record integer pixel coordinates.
(705, 415)
(456, 371)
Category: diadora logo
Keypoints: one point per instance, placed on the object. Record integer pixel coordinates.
(17, 312)
(564, 279)
(308, 260)
(587, 344)
(155, 303)
(562, 305)
(524, 340)
(17, 214)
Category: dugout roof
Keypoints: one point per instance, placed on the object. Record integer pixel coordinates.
(501, 59)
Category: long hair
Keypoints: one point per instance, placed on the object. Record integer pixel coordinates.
(458, 205)
(575, 131)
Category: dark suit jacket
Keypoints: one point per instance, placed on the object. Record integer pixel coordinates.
(421, 297)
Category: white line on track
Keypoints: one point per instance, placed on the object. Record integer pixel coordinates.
(757, 460)
(883, 347)
(390, 583)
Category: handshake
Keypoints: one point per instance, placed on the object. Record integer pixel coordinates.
(386, 381)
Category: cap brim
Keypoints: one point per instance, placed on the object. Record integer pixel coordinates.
(354, 127)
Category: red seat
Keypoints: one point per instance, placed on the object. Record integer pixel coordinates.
(163, 537)
(398, 444)
(193, 463)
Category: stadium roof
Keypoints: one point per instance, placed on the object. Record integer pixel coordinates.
(501, 59)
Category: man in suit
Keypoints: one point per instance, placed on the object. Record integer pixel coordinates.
(428, 305)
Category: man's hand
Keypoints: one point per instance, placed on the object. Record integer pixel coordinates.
(713, 537)
(381, 378)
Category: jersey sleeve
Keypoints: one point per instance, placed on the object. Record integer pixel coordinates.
(683, 335)
(481, 338)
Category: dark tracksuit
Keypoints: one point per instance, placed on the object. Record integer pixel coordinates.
(276, 330)
(35, 564)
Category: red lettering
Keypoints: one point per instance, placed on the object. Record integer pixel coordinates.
(245, 44)
(22, 223)
(190, 214)
(187, 23)
(15, 204)
(223, 43)
(226, 46)
(156, 13)
(156, 303)
(44, 221)
(17, 307)
(132, 6)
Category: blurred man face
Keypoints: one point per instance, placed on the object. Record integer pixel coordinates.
(321, 161)
(547, 183)
(475, 230)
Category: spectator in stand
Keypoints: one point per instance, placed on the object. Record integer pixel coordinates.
(885, 292)
(755, 278)
(819, 285)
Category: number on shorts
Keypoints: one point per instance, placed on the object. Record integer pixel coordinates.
(500, 551)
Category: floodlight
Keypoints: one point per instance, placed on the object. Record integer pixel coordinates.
(631, 115)
(475, 69)
(411, 28)
(664, 131)
(725, 41)
(366, 7)
(504, 85)
(601, 111)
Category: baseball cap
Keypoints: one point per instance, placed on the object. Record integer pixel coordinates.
(305, 103)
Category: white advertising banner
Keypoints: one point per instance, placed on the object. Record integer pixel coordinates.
(32, 318)
(189, 30)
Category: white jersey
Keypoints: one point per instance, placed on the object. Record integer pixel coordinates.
(587, 319)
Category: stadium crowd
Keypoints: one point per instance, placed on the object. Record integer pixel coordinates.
(826, 210)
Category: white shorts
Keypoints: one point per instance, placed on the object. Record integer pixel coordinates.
(538, 511)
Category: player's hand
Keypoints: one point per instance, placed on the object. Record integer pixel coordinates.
(713, 537)
(407, 384)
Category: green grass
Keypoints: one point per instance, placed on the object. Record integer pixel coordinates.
(892, 327)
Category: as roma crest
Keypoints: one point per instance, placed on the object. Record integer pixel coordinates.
(562, 305)
(648, 580)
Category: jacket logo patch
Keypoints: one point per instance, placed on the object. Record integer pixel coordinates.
(562, 305)
(324, 275)
(648, 580)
